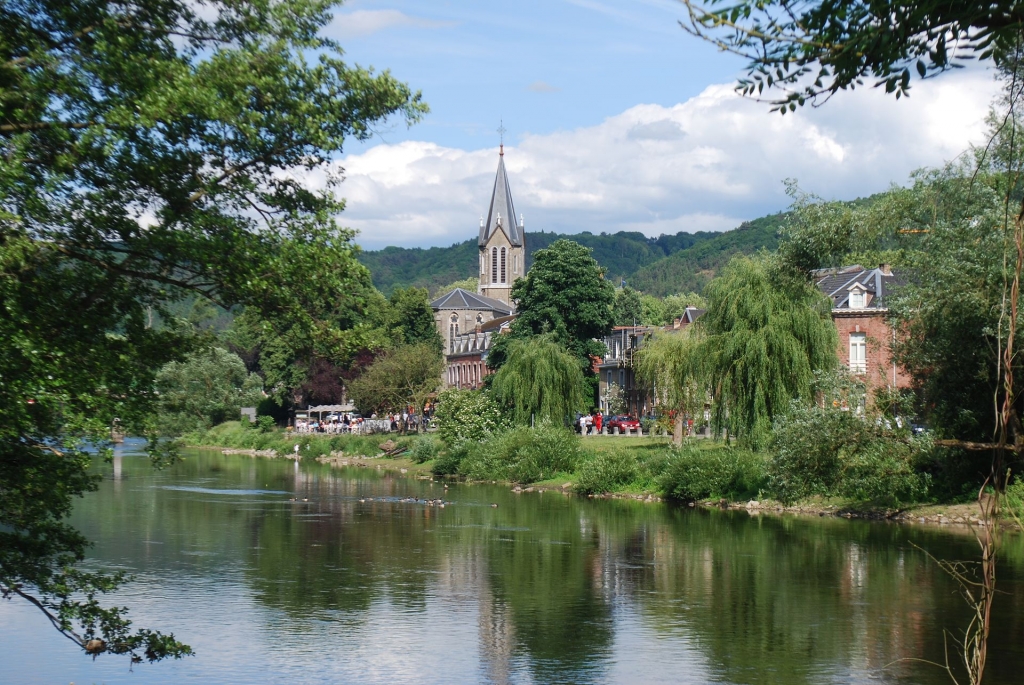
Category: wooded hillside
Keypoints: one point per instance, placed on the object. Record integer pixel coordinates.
(661, 266)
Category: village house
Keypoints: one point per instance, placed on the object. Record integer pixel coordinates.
(615, 370)
(859, 311)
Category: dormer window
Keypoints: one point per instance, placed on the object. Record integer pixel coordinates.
(858, 298)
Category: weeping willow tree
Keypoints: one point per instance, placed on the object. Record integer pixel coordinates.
(540, 380)
(765, 333)
(668, 363)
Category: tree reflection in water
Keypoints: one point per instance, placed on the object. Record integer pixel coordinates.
(550, 584)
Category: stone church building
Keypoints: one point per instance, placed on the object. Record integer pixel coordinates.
(466, 320)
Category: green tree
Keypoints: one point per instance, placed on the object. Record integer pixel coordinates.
(540, 381)
(671, 364)
(813, 51)
(411, 319)
(628, 308)
(141, 155)
(208, 387)
(654, 312)
(400, 377)
(471, 284)
(765, 333)
(563, 293)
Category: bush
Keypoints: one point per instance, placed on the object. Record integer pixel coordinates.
(423, 450)
(692, 473)
(467, 416)
(829, 452)
(524, 455)
(449, 461)
(1014, 501)
(607, 472)
(264, 424)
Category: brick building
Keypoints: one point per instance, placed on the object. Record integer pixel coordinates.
(467, 358)
(859, 311)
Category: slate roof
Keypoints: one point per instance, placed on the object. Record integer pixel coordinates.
(837, 284)
(497, 323)
(463, 299)
(691, 314)
(501, 206)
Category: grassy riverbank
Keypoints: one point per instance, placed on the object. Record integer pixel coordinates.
(703, 472)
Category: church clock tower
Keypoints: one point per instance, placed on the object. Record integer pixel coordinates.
(502, 241)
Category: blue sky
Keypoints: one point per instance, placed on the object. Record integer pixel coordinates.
(616, 120)
(539, 66)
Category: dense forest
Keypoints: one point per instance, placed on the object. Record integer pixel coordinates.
(660, 266)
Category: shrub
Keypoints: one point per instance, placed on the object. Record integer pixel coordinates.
(692, 473)
(524, 455)
(264, 424)
(1014, 501)
(423, 449)
(606, 472)
(829, 452)
(449, 461)
(467, 416)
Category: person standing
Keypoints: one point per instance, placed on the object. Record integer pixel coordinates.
(598, 422)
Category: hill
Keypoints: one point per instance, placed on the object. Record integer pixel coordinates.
(690, 269)
(621, 254)
(661, 266)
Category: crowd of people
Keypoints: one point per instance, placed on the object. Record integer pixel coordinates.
(356, 424)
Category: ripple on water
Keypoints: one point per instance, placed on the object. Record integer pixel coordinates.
(220, 491)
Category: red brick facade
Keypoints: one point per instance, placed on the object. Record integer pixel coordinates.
(878, 370)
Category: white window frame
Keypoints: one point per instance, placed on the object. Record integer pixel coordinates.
(858, 299)
(858, 352)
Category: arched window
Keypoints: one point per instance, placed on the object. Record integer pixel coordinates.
(494, 265)
(503, 280)
(515, 264)
(453, 330)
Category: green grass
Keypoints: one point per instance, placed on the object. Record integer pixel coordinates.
(607, 443)
(232, 434)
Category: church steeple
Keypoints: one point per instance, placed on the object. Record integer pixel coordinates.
(501, 215)
(502, 241)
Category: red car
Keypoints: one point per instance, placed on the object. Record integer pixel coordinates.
(622, 423)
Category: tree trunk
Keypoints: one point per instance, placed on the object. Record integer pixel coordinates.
(677, 430)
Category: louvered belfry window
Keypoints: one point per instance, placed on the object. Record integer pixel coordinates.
(503, 280)
(494, 265)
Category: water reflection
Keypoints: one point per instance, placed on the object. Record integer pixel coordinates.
(542, 588)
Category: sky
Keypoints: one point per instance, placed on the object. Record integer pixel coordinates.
(615, 119)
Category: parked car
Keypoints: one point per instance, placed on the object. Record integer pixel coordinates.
(622, 423)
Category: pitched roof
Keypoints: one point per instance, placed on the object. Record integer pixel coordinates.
(463, 299)
(501, 209)
(497, 323)
(837, 284)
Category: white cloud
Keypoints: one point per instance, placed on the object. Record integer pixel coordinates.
(704, 164)
(366, 22)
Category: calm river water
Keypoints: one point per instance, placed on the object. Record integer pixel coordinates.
(543, 588)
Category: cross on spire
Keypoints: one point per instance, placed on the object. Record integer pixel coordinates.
(501, 132)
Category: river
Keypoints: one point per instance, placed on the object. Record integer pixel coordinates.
(358, 586)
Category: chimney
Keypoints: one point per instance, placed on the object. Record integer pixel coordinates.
(885, 269)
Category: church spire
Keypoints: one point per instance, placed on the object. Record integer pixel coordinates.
(501, 206)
